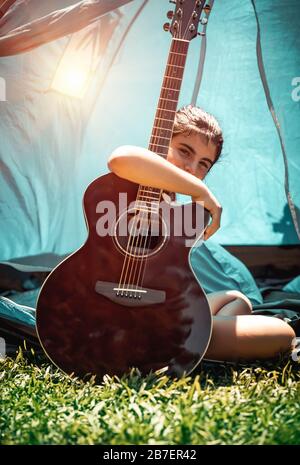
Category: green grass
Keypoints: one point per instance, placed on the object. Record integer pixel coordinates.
(225, 404)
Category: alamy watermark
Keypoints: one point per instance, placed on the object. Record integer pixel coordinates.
(296, 350)
(296, 91)
(2, 348)
(150, 218)
(2, 89)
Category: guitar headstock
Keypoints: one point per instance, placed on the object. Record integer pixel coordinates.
(185, 19)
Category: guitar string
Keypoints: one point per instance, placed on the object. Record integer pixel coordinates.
(148, 237)
(142, 219)
(128, 257)
(147, 240)
(148, 220)
(129, 260)
(127, 253)
(134, 243)
(140, 260)
(143, 216)
(142, 267)
(149, 211)
(183, 62)
(134, 267)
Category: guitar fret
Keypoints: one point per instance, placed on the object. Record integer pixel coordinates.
(166, 109)
(161, 137)
(164, 119)
(168, 88)
(168, 100)
(176, 66)
(159, 145)
(160, 153)
(177, 53)
(145, 190)
(172, 77)
(148, 210)
(140, 199)
(149, 190)
(146, 201)
(162, 129)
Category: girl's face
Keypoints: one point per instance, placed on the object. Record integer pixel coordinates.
(192, 153)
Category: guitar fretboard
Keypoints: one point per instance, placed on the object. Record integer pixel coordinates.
(166, 109)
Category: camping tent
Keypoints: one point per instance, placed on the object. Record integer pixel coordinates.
(53, 145)
(55, 136)
(245, 71)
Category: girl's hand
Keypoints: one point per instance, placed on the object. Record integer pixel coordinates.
(215, 209)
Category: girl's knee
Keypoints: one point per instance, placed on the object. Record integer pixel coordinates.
(280, 336)
(286, 337)
(245, 303)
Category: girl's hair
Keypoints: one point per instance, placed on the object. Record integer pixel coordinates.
(194, 120)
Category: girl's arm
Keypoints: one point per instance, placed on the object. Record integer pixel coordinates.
(144, 167)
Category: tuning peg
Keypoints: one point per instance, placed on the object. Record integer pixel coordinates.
(170, 14)
(166, 27)
(172, 1)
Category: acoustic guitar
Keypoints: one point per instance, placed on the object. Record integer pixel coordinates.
(129, 296)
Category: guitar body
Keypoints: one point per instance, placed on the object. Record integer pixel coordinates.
(128, 297)
(87, 326)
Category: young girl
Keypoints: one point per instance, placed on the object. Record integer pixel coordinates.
(195, 147)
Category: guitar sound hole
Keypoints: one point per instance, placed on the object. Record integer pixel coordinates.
(140, 234)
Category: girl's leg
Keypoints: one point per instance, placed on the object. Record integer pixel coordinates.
(248, 337)
(229, 303)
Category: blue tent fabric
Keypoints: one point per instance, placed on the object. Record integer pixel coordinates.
(53, 145)
(18, 313)
(293, 285)
(217, 270)
(49, 25)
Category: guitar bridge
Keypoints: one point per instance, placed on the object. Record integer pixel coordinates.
(130, 297)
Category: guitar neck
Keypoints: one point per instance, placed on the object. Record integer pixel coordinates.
(168, 100)
(167, 105)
